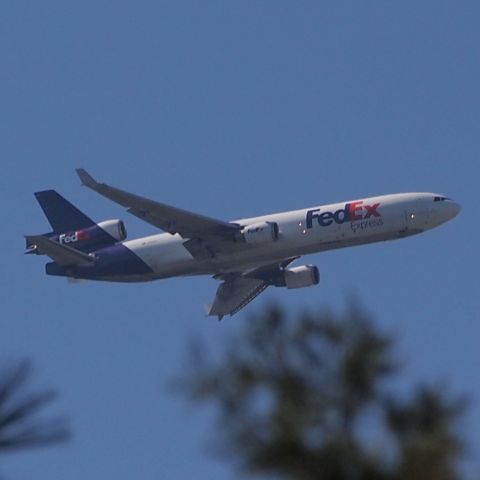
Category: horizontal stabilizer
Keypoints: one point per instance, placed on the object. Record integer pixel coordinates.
(60, 254)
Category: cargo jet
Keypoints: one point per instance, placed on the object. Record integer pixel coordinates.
(245, 255)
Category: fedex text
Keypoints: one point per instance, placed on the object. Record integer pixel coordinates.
(73, 237)
(352, 212)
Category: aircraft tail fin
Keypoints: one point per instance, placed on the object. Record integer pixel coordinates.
(62, 215)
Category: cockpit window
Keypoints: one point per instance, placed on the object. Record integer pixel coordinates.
(440, 199)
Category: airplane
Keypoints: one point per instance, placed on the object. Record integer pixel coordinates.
(246, 255)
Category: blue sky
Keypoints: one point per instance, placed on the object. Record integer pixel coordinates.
(230, 109)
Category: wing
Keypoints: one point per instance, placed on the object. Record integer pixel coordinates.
(234, 294)
(60, 254)
(172, 220)
(238, 289)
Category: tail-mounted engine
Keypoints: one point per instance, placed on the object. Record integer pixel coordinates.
(115, 228)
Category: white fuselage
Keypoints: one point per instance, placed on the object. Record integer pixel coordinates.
(301, 232)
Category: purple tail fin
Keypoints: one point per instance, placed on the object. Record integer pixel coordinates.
(62, 215)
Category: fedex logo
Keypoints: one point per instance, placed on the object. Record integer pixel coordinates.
(351, 213)
(73, 237)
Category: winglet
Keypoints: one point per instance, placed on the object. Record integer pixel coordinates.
(86, 178)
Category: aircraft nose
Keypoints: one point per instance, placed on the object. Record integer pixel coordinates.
(453, 209)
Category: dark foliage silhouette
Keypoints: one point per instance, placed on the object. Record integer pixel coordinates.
(22, 422)
(312, 398)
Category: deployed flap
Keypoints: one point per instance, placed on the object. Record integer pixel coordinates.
(234, 294)
(61, 254)
(171, 219)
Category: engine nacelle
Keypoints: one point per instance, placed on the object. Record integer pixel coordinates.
(263, 232)
(302, 276)
(115, 228)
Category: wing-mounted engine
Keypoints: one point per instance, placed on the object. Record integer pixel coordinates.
(299, 277)
(239, 289)
(258, 233)
(87, 239)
